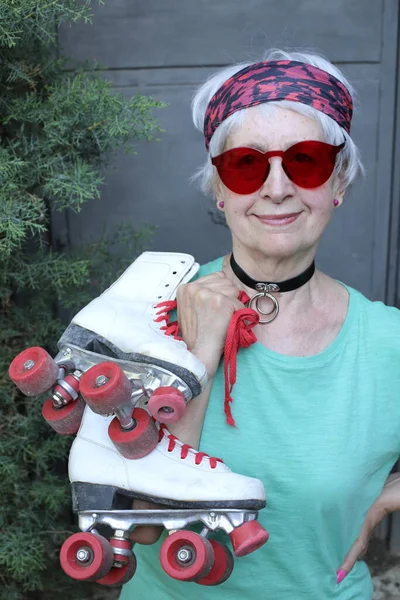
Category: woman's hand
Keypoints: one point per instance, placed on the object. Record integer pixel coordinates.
(387, 502)
(205, 308)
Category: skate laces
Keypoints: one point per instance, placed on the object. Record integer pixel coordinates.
(170, 328)
(240, 335)
(186, 448)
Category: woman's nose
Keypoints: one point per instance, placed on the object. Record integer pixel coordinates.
(277, 186)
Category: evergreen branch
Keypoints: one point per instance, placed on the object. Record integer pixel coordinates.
(18, 553)
(58, 130)
(37, 19)
(52, 272)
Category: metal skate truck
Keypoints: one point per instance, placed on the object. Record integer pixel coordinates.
(121, 375)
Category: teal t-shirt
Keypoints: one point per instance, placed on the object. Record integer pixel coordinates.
(322, 432)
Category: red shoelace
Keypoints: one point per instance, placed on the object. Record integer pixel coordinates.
(170, 328)
(239, 335)
(185, 448)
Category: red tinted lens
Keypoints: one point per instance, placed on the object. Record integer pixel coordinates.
(310, 164)
(242, 170)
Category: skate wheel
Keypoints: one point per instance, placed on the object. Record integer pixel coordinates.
(120, 547)
(186, 556)
(33, 371)
(248, 537)
(120, 575)
(73, 383)
(105, 398)
(65, 420)
(86, 556)
(222, 567)
(167, 405)
(136, 442)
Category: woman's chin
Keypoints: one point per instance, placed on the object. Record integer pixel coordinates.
(282, 248)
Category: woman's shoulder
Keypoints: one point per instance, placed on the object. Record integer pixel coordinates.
(210, 267)
(378, 316)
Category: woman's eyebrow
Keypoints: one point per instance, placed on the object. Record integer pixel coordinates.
(259, 147)
(264, 147)
(254, 146)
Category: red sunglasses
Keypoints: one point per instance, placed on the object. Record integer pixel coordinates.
(308, 164)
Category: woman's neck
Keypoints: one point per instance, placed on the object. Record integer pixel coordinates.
(309, 319)
(272, 268)
(275, 271)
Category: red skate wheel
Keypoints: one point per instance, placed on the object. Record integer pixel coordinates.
(33, 371)
(120, 575)
(86, 556)
(136, 442)
(186, 556)
(73, 383)
(120, 546)
(105, 398)
(65, 420)
(248, 537)
(167, 405)
(222, 567)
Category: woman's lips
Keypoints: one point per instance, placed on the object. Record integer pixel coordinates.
(277, 220)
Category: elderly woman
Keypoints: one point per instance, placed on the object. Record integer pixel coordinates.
(315, 403)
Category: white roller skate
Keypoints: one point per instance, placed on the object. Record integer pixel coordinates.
(190, 486)
(127, 324)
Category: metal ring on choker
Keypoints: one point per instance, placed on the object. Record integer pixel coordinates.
(274, 312)
(265, 289)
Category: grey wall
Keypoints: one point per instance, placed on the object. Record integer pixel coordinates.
(166, 48)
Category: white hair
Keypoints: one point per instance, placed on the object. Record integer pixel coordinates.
(348, 163)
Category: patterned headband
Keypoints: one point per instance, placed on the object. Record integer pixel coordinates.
(279, 80)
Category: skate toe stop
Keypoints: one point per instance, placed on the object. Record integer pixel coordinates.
(248, 537)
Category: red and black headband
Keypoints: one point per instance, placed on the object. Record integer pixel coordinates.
(279, 80)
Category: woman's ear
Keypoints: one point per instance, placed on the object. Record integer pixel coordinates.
(219, 192)
(339, 188)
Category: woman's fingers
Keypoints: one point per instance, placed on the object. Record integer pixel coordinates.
(205, 309)
(145, 534)
(360, 546)
(213, 283)
(357, 550)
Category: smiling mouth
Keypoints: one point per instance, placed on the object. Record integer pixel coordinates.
(278, 219)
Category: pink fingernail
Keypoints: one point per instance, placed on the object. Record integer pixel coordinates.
(340, 575)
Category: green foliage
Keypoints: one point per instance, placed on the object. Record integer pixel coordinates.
(58, 130)
(35, 510)
(28, 21)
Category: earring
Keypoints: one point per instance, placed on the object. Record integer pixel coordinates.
(221, 204)
(335, 202)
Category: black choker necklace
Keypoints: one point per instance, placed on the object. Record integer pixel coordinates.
(265, 288)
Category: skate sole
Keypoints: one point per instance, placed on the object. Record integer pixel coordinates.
(96, 497)
(88, 341)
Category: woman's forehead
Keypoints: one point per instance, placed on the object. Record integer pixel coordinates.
(277, 129)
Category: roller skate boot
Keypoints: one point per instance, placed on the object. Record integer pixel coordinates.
(188, 486)
(121, 349)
